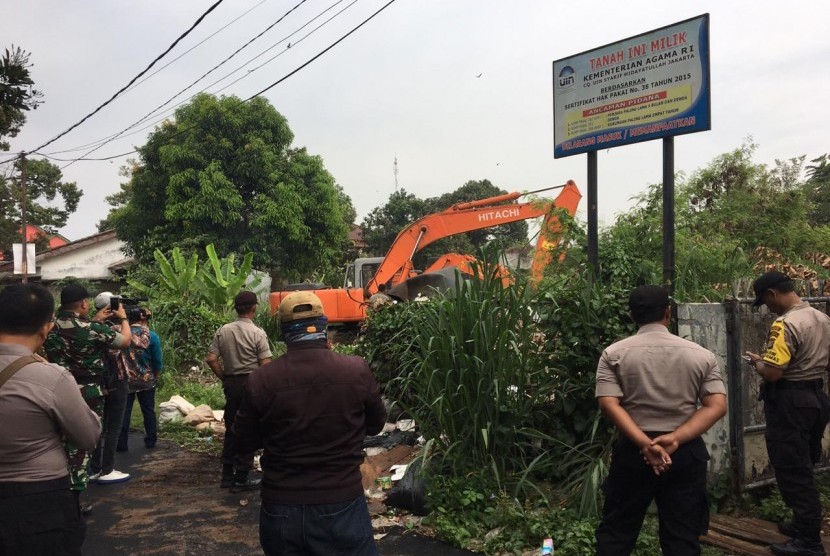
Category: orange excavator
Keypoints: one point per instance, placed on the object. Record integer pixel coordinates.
(347, 305)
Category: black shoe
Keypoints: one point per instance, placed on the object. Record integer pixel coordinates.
(798, 547)
(789, 529)
(121, 448)
(149, 445)
(245, 483)
(226, 482)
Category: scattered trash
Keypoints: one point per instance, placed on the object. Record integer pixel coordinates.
(243, 502)
(205, 419)
(387, 440)
(384, 483)
(374, 494)
(201, 414)
(184, 406)
(547, 547)
(375, 451)
(405, 425)
(398, 471)
(379, 536)
(410, 492)
(169, 413)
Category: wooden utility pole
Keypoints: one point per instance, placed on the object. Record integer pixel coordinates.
(25, 262)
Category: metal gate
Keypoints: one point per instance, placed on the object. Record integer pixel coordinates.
(747, 329)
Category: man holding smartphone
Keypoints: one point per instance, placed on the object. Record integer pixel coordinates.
(794, 363)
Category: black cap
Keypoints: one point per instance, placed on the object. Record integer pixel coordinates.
(768, 280)
(245, 298)
(72, 293)
(647, 298)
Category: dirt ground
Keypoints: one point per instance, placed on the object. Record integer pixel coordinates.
(172, 505)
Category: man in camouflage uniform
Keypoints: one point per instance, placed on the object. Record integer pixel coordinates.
(80, 346)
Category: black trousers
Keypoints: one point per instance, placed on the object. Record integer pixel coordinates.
(680, 494)
(45, 523)
(796, 418)
(103, 457)
(234, 388)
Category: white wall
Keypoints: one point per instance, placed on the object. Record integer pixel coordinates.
(705, 324)
(89, 262)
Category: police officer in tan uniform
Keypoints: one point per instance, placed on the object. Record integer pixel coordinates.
(237, 348)
(662, 393)
(796, 408)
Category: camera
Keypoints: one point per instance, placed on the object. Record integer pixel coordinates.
(131, 307)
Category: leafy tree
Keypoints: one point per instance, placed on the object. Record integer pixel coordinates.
(382, 225)
(224, 172)
(817, 188)
(725, 212)
(16, 93)
(43, 186)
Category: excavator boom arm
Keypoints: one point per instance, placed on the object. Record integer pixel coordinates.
(466, 217)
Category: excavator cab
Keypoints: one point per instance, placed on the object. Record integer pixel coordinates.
(359, 273)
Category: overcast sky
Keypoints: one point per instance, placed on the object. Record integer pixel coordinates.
(456, 89)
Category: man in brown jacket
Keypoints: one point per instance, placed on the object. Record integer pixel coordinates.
(310, 410)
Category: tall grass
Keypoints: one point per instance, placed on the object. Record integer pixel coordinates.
(478, 379)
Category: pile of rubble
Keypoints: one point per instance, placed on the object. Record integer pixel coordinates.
(202, 417)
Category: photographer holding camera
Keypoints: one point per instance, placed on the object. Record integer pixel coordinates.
(124, 362)
(142, 385)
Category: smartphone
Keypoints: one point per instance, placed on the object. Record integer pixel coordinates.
(114, 303)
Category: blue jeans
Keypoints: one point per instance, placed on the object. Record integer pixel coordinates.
(147, 403)
(343, 528)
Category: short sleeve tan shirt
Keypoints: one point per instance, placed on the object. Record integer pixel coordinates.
(242, 345)
(799, 342)
(659, 378)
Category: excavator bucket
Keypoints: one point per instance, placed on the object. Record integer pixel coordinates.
(428, 284)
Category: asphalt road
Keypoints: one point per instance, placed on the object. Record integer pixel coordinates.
(172, 505)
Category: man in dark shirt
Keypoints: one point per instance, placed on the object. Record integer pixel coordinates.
(310, 410)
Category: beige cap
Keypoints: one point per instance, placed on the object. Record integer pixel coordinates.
(300, 305)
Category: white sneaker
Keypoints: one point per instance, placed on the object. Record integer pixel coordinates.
(113, 477)
(94, 476)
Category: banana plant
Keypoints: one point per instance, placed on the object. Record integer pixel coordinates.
(176, 279)
(218, 281)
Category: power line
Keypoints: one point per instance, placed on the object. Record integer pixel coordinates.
(133, 80)
(277, 55)
(332, 45)
(174, 60)
(271, 86)
(200, 43)
(214, 68)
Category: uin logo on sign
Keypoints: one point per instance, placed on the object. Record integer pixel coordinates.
(567, 79)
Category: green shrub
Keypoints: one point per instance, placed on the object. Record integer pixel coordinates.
(470, 512)
(185, 331)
